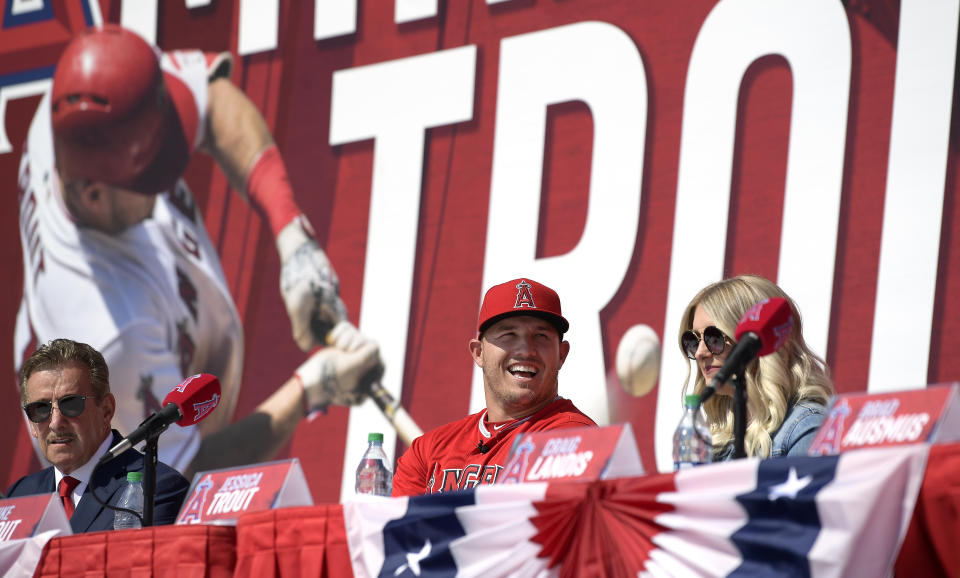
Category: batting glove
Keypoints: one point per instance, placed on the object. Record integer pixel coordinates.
(308, 284)
(346, 336)
(337, 376)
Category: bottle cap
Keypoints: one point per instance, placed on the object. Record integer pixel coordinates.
(375, 437)
(692, 400)
(134, 477)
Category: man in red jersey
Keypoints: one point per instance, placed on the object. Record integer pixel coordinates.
(520, 349)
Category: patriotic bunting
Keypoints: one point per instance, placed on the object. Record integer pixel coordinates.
(827, 516)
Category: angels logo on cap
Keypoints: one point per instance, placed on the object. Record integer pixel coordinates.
(521, 297)
(524, 296)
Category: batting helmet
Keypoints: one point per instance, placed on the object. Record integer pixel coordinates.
(113, 119)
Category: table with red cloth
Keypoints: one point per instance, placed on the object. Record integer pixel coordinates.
(312, 541)
(182, 551)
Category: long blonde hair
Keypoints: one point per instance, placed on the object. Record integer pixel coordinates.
(774, 382)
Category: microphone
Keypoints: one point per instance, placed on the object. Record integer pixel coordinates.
(185, 405)
(762, 330)
(483, 449)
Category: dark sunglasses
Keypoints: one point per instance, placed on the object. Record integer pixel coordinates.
(715, 340)
(69, 406)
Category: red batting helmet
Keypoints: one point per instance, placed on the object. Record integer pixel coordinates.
(113, 119)
(521, 297)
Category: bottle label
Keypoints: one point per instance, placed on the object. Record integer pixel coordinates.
(373, 477)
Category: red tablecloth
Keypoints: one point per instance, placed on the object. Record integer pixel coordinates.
(174, 551)
(293, 542)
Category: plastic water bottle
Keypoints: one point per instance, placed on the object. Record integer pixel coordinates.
(373, 474)
(691, 441)
(132, 499)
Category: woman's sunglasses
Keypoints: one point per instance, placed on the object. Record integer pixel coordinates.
(715, 340)
(69, 406)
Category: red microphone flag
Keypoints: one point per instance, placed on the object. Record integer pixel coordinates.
(771, 320)
(196, 397)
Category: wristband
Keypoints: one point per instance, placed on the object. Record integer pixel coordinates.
(309, 412)
(269, 191)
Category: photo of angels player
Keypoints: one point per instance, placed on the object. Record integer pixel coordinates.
(116, 255)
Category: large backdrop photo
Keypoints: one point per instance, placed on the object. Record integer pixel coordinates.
(624, 153)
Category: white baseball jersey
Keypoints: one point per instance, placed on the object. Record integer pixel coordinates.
(152, 299)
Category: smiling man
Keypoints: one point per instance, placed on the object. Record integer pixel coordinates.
(65, 391)
(520, 349)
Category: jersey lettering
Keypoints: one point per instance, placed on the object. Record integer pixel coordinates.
(36, 249)
(185, 347)
(468, 477)
(187, 239)
(30, 224)
(451, 480)
(145, 394)
(24, 179)
(490, 474)
(188, 292)
(182, 200)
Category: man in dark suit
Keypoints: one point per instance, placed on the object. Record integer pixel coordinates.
(65, 390)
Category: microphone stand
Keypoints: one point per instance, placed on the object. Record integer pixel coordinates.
(739, 415)
(149, 478)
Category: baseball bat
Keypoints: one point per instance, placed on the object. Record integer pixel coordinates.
(396, 414)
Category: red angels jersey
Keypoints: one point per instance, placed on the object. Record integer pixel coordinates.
(152, 299)
(471, 451)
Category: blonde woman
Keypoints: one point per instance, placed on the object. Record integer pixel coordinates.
(787, 391)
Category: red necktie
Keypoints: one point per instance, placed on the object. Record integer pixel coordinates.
(65, 489)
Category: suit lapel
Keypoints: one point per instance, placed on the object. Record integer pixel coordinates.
(88, 510)
(42, 482)
(107, 481)
(47, 482)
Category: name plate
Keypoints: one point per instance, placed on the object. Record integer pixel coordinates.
(865, 420)
(588, 453)
(31, 515)
(221, 496)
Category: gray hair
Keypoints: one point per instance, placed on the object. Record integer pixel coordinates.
(60, 353)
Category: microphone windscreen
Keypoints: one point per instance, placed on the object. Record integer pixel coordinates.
(196, 397)
(771, 319)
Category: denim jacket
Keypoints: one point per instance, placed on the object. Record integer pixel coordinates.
(795, 435)
(798, 429)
